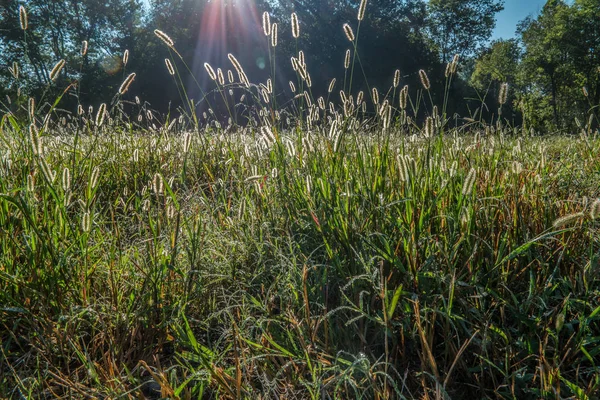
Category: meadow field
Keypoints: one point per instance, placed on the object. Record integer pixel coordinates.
(365, 265)
(330, 248)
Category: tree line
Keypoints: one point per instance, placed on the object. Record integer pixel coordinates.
(552, 66)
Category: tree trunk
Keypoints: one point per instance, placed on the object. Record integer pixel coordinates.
(554, 96)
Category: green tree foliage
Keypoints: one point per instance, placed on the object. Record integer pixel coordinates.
(56, 31)
(546, 41)
(203, 32)
(390, 37)
(495, 66)
(561, 59)
(553, 68)
(461, 26)
(408, 35)
(500, 63)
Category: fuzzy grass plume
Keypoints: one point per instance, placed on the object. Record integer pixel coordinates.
(503, 93)
(361, 10)
(295, 26)
(424, 79)
(348, 32)
(126, 83)
(56, 70)
(169, 66)
(210, 71)
(165, 38)
(23, 18)
(101, 115)
(266, 23)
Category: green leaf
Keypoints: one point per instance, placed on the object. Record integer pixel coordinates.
(394, 303)
(577, 391)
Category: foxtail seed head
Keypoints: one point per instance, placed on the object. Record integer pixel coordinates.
(84, 48)
(343, 96)
(23, 18)
(424, 79)
(100, 115)
(211, 71)
(396, 78)
(157, 184)
(349, 33)
(295, 26)
(331, 86)
(268, 134)
(387, 115)
(66, 179)
(375, 94)
(169, 67)
(347, 59)
(30, 183)
(567, 219)
(187, 141)
(595, 209)
(302, 71)
(220, 77)
(126, 83)
(14, 70)
(503, 93)
(56, 70)
(469, 182)
(236, 63)
(165, 38)
(36, 141)
(86, 222)
(429, 127)
(321, 102)
(31, 108)
(265, 95)
(95, 175)
(244, 80)
(404, 97)
(266, 23)
(455, 63)
(359, 97)
(361, 10)
(126, 57)
(274, 35)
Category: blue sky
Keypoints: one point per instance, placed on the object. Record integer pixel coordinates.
(515, 11)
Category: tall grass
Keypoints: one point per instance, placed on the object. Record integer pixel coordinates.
(318, 251)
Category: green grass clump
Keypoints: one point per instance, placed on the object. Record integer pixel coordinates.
(371, 265)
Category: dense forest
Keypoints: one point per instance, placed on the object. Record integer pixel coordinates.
(552, 67)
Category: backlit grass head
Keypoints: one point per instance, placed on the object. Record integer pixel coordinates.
(56, 70)
(295, 26)
(23, 19)
(348, 32)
